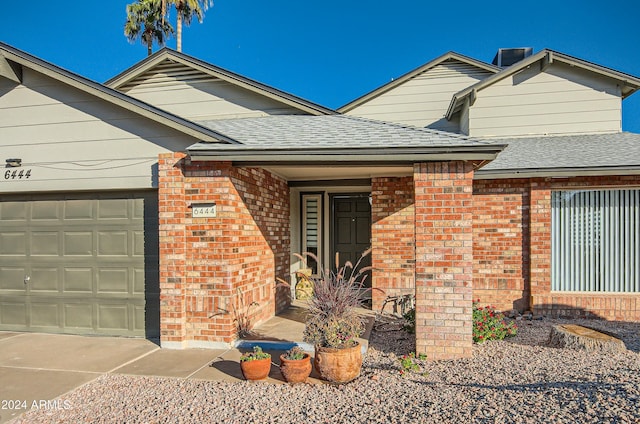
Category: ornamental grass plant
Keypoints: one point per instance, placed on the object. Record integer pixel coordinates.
(333, 319)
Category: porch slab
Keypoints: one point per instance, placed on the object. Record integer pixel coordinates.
(287, 329)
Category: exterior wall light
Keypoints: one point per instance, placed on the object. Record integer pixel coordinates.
(13, 163)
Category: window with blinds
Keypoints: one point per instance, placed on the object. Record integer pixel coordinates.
(595, 241)
(312, 228)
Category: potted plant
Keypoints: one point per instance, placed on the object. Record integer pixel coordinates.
(295, 365)
(333, 323)
(255, 364)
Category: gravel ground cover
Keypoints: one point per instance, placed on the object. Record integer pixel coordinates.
(518, 380)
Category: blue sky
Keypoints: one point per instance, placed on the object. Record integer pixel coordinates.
(333, 51)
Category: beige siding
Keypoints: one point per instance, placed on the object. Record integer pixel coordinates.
(560, 100)
(423, 100)
(197, 96)
(69, 140)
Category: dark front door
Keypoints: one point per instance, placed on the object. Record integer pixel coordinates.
(351, 232)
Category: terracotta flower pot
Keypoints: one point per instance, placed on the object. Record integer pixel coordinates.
(295, 370)
(257, 369)
(338, 365)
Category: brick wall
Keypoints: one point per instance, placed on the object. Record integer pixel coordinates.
(501, 243)
(625, 307)
(512, 266)
(211, 267)
(393, 238)
(444, 259)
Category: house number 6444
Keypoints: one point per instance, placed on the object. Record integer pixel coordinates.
(19, 174)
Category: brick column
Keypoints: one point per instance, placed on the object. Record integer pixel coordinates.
(171, 209)
(540, 241)
(444, 259)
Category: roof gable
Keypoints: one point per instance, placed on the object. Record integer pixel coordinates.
(450, 57)
(543, 59)
(12, 61)
(168, 65)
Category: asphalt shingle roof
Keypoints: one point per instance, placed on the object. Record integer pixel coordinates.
(574, 151)
(333, 131)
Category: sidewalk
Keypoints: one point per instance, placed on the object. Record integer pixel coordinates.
(37, 367)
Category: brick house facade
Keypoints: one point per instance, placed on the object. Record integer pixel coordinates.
(527, 204)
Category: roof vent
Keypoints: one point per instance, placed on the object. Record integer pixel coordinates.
(507, 57)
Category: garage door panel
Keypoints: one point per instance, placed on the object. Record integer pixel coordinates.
(45, 243)
(45, 210)
(113, 243)
(78, 210)
(139, 318)
(114, 317)
(138, 281)
(14, 211)
(45, 314)
(12, 279)
(110, 209)
(78, 243)
(113, 280)
(138, 210)
(138, 243)
(78, 280)
(13, 313)
(13, 243)
(44, 280)
(78, 315)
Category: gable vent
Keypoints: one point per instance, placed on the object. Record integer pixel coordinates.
(507, 57)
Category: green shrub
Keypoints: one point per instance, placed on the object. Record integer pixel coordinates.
(490, 325)
(410, 321)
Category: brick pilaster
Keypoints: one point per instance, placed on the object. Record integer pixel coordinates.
(392, 238)
(171, 208)
(444, 259)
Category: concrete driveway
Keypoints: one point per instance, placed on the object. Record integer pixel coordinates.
(36, 368)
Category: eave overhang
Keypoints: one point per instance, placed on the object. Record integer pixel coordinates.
(491, 174)
(345, 156)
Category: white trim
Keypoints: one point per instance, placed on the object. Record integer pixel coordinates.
(319, 221)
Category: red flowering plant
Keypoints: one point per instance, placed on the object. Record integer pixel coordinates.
(490, 325)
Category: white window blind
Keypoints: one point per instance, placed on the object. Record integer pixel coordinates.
(595, 241)
(311, 227)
